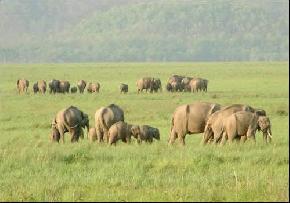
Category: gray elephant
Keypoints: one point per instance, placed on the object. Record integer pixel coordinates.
(185, 84)
(214, 126)
(70, 120)
(120, 131)
(144, 83)
(105, 117)
(64, 86)
(176, 83)
(73, 89)
(22, 85)
(41, 86)
(123, 88)
(243, 125)
(190, 119)
(54, 86)
(93, 87)
(35, 88)
(155, 85)
(168, 87)
(176, 86)
(145, 133)
(81, 86)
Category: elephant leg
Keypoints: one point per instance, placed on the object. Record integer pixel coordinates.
(181, 138)
(106, 135)
(61, 132)
(224, 139)
(172, 137)
(243, 139)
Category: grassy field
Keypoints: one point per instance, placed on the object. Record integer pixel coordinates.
(34, 169)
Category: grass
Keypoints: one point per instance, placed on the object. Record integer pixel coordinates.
(34, 169)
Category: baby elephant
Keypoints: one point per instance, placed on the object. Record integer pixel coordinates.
(145, 133)
(123, 88)
(73, 89)
(244, 125)
(120, 131)
(92, 135)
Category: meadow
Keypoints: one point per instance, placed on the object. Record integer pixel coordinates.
(34, 169)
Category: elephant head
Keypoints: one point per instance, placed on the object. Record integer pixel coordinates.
(264, 125)
(156, 134)
(55, 135)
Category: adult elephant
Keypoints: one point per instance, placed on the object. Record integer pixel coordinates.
(144, 83)
(156, 85)
(93, 87)
(81, 86)
(35, 88)
(214, 126)
(176, 83)
(22, 85)
(41, 84)
(190, 119)
(105, 117)
(64, 86)
(70, 120)
(54, 86)
(243, 125)
(185, 83)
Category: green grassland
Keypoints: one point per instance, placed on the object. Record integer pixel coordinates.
(34, 169)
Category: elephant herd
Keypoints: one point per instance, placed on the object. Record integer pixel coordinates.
(175, 83)
(110, 126)
(57, 86)
(217, 123)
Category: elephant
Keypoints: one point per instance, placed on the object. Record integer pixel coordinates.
(120, 131)
(92, 135)
(144, 83)
(41, 86)
(145, 133)
(168, 87)
(73, 89)
(204, 84)
(185, 83)
(35, 88)
(176, 82)
(155, 85)
(64, 86)
(214, 126)
(93, 87)
(81, 86)
(190, 119)
(245, 124)
(195, 84)
(105, 117)
(176, 86)
(22, 85)
(54, 86)
(70, 120)
(123, 88)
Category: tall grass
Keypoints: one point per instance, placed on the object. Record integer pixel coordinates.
(34, 169)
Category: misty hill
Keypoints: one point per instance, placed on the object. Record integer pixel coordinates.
(149, 31)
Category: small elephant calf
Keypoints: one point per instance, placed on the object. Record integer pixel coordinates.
(92, 134)
(145, 133)
(120, 131)
(123, 88)
(73, 89)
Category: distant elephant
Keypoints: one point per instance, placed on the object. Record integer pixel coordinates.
(64, 86)
(73, 89)
(54, 86)
(190, 119)
(145, 133)
(81, 85)
(35, 88)
(204, 85)
(155, 85)
(176, 83)
(195, 85)
(214, 125)
(168, 87)
(93, 87)
(123, 88)
(105, 117)
(92, 135)
(120, 131)
(22, 85)
(185, 83)
(144, 83)
(176, 86)
(41, 86)
(245, 124)
(70, 120)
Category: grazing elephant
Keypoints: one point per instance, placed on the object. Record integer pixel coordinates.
(190, 119)
(81, 85)
(93, 87)
(92, 135)
(105, 117)
(64, 86)
(144, 83)
(123, 88)
(145, 133)
(176, 86)
(73, 89)
(70, 120)
(54, 86)
(155, 85)
(22, 85)
(35, 88)
(214, 125)
(41, 86)
(245, 124)
(185, 84)
(120, 131)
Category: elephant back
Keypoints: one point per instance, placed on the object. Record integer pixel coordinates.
(72, 117)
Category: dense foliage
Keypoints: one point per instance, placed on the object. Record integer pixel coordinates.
(72, 31)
